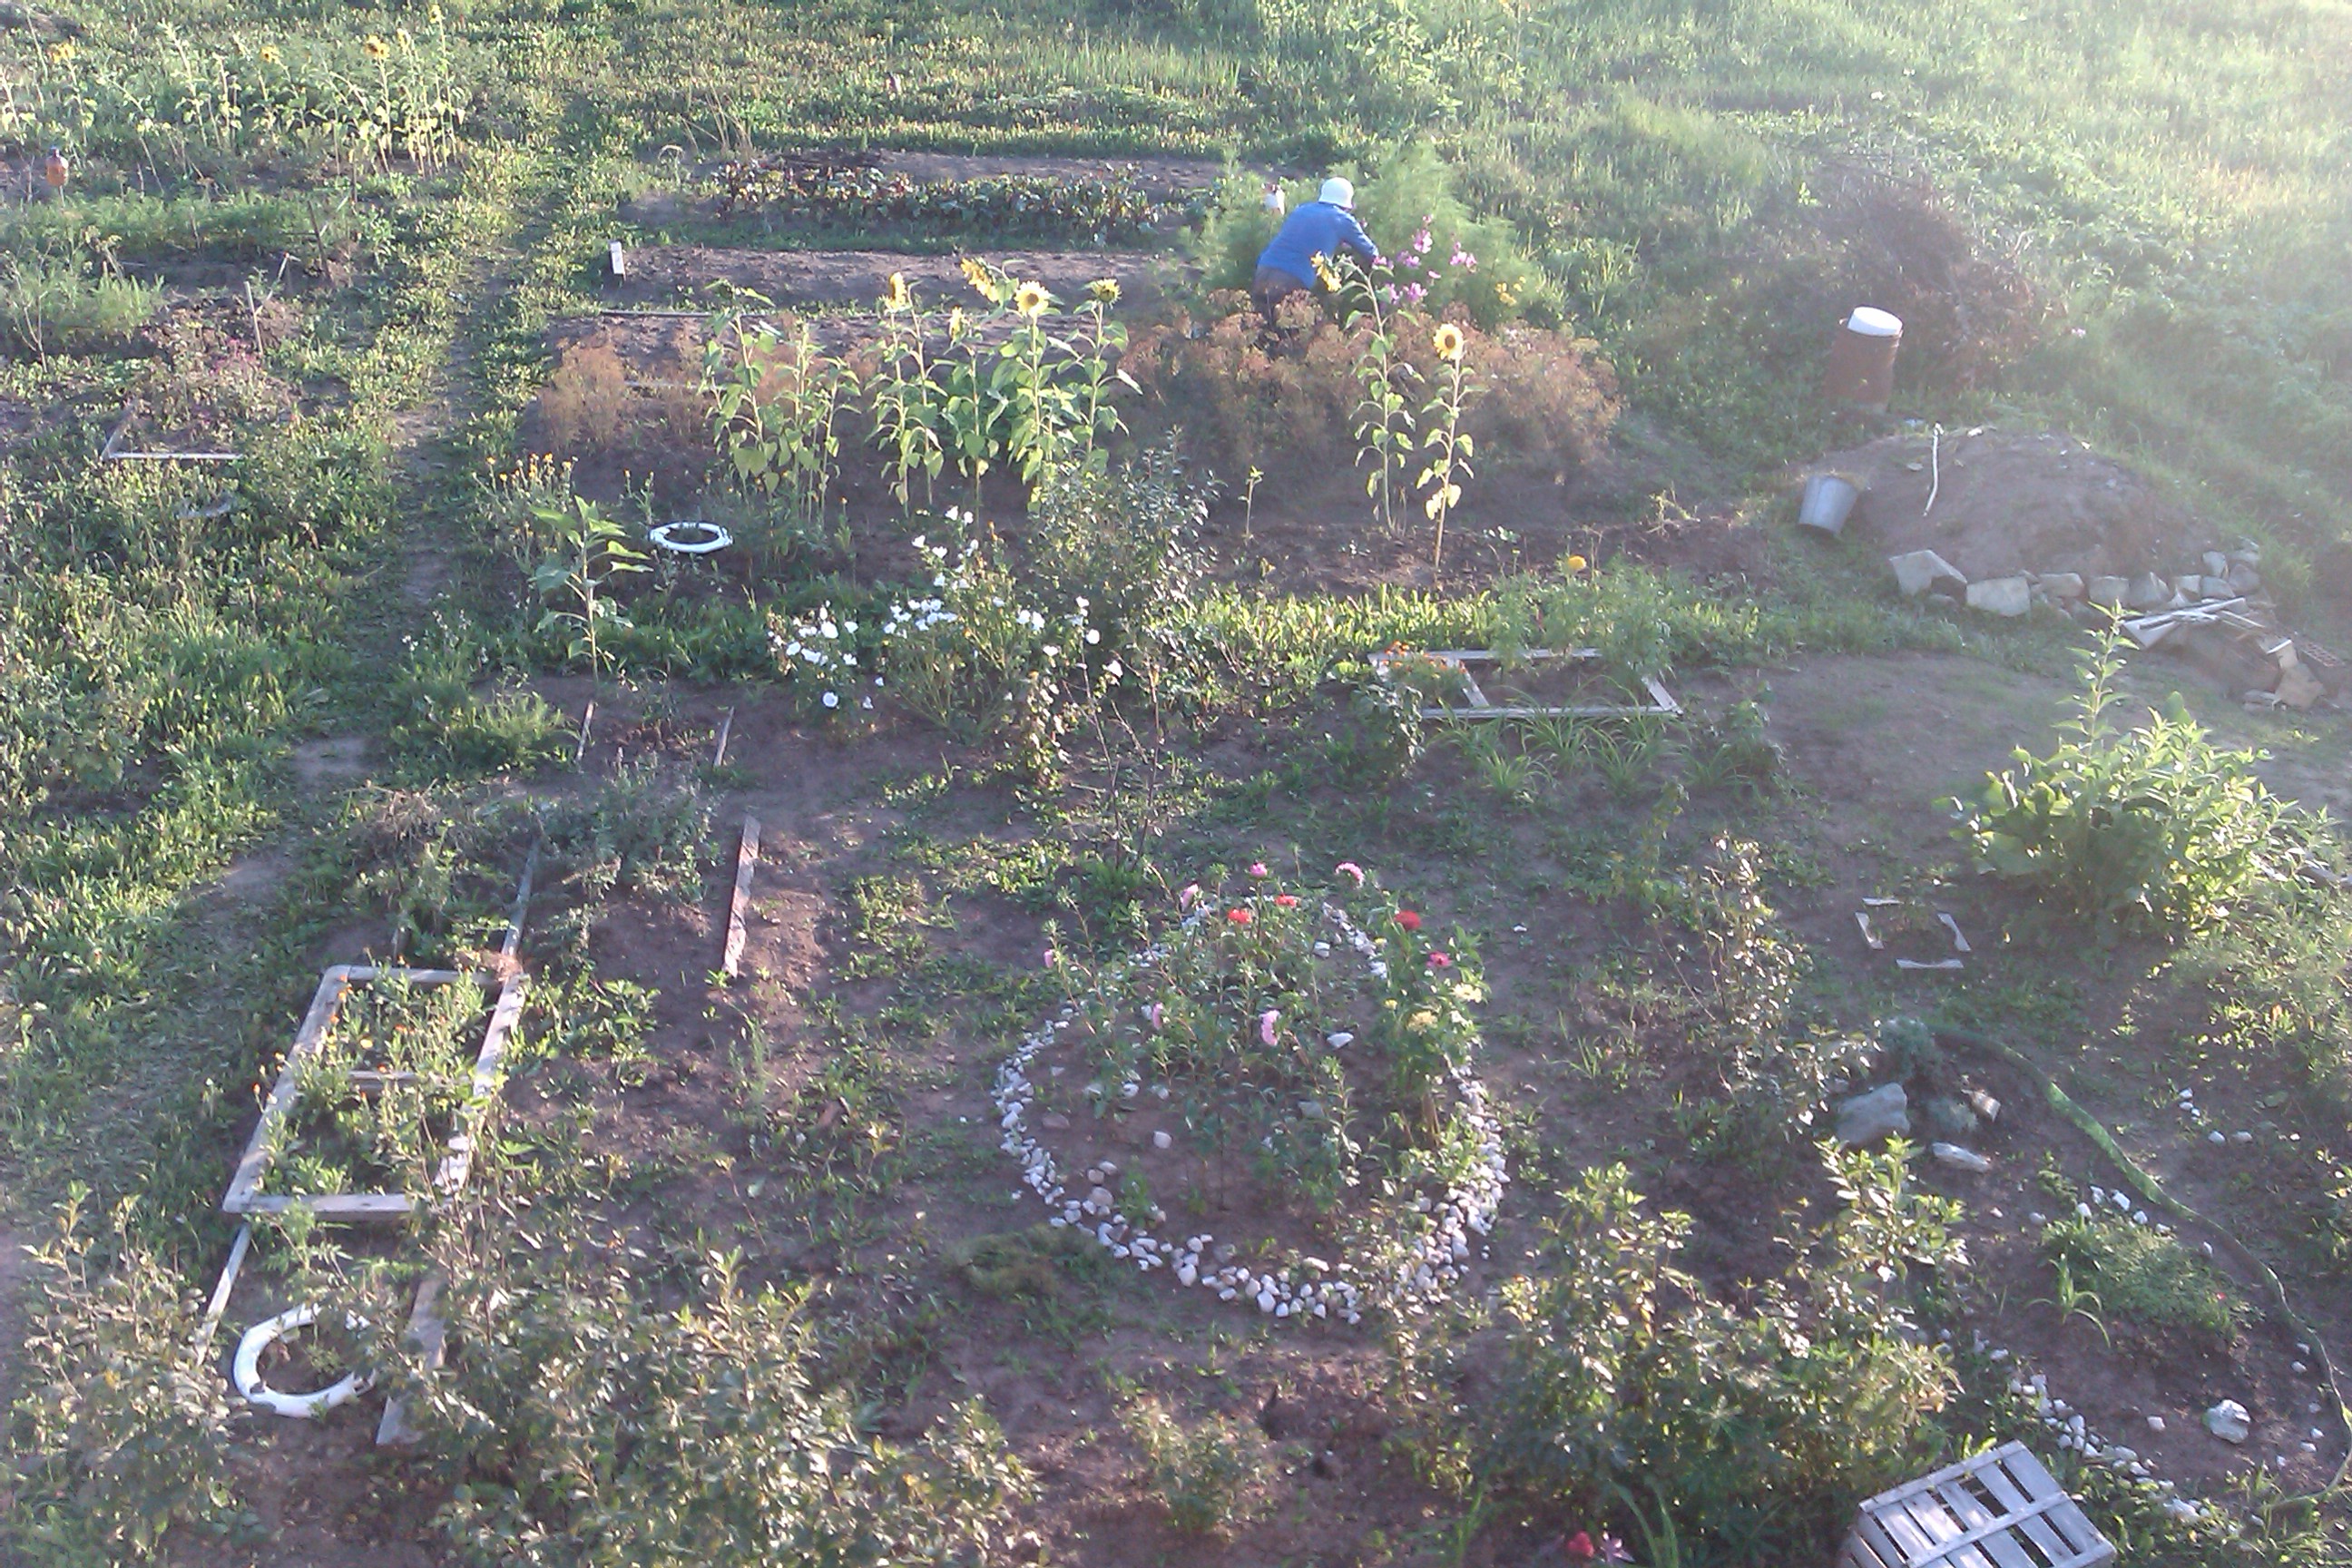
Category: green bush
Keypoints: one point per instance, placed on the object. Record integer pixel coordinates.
(118, 1442)
(50, 306)
(1208, 1476)
(1608, 1370)
(450, 731)
(2155, 827)
(583, 1425)
(638, 833)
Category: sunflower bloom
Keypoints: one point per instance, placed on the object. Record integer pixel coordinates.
(1103, 291)
(269, 55)
(375, 48)
(983, 279)
(895, 294)
(1325, 273)
(1447, 340)
(1031, 299)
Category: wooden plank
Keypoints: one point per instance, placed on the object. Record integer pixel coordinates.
(2001, 1544)
(490, 1064)
(357, 1208)
(1617, 710)
(431, 1336)
(1956, 1544)
(746, 856)
(511, 945)
(219, 1304)
(2088, 1547)
(2012, 1499)
(1884, 1546)
(726, 728)
(254, 1161)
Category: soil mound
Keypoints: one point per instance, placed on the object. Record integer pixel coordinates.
(2008, 501)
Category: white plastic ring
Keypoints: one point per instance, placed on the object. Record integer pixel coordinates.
(701, 538)
(246, 1371)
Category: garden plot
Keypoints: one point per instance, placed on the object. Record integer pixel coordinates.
(381, 1094)
(1296, 1093)
(1481, 683)
(700, 275)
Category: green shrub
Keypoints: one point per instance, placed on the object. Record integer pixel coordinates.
(2147, 1278)
(449, 730)
(584, 1424)
(1208, 1476)
(1618, 1372)
(2155, 827)
(118, 1442)
(50, 307)
(638, 833)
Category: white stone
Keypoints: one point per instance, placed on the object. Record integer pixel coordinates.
(2228, 1421)
(2155, 1423)
(1917, 571)
(1960, 1159)
(1160, 1140)
(2002, 596)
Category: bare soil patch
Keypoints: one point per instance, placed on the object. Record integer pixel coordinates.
(2010, 501)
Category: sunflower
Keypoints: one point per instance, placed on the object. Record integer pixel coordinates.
(375, 48)
(1448, 342)
(983, 279)
(1325, 273)
(269, 55)
(1031, 299)
(1104, 290)
(895, 294)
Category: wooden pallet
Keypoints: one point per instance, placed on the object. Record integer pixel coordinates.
(1476, 705)
(1999, 1510)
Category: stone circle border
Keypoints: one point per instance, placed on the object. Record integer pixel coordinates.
(1299, 1285)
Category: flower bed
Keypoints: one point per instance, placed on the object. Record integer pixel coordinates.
(1299, 1062)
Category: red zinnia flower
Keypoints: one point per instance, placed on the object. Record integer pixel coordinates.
(1286, 899)
(1579, 1547)
(1439, 961)
(1239, 917)
(1408, 920)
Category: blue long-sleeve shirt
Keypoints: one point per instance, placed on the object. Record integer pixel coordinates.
(1315, 228)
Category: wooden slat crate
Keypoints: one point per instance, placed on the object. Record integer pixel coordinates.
(1998, 1509)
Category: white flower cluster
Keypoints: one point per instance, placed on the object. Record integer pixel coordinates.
(1303, 1286)
(822, 645)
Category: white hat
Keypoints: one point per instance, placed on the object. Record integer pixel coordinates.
(1337, 191)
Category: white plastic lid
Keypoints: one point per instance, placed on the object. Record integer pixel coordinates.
(1873, 322)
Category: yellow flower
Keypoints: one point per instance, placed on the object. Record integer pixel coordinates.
(895, 295)
(1448, 342)
(1577, 564)
(1104, 290)
(269, 55)
(984, 280)
(955, 322)
(1424, 1019)
(1505, 296)
(62, 52)
(433, 15)
(1031, 299)
(375, 48)
(1325, 273)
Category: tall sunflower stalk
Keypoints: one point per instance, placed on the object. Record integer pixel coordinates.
(906, 414)
(1447, 444)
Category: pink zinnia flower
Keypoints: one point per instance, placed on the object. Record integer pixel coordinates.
(1440, 960)
(1154, 1015)
(1265, 1023)
(1349, 869)
(1408, 920)
(1257, 868)
(1579, 1547)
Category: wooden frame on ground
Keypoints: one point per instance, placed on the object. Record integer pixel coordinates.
(1661, 704)
(244, 1195)
(1998, 1509)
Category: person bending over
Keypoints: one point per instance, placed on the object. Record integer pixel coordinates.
(1324, 226)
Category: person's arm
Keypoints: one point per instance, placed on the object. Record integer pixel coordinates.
(1352, 236)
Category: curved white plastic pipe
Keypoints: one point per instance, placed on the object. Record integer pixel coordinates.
(245, 1371)
(666, 537)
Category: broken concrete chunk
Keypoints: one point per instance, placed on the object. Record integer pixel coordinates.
(2216, 564)
(2109, 591)
(2148, 592)
(2061, 584)
(2243, 579)
(2001, 596)
(1960, 1159)
(2230, 1422)
(1918, 571)
(1867, 1118)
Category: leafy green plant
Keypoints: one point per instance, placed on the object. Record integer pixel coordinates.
(1208, 1476)
(54, 307)
(2145, 1279)
(775, 407)
(1448, 445)
(905, 404)
(120, 1437)
(2155, 826)
(594, 551)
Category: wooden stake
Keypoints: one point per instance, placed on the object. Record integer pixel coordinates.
(726, 728)
(587, 717)
(747, 855)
